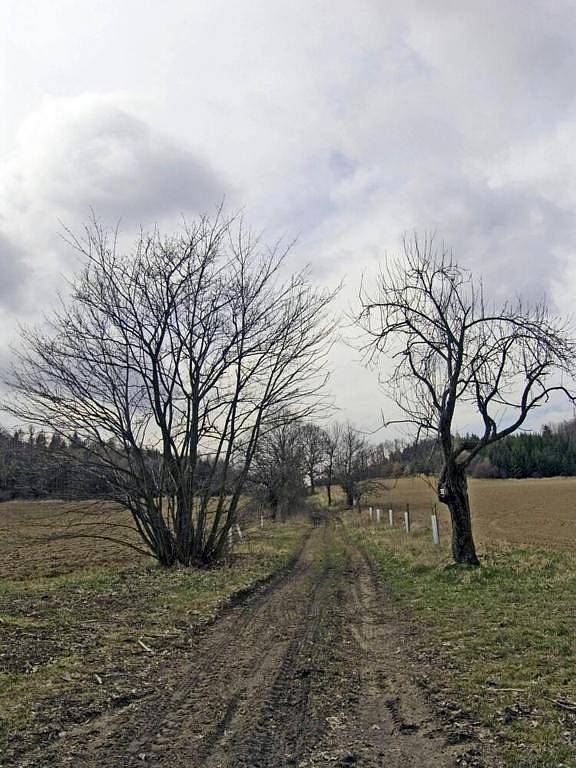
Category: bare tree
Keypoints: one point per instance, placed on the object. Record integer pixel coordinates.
(350, 461)
(314, 444)
(332, 444)
(454, 355)
(173, 358)
(279, 468)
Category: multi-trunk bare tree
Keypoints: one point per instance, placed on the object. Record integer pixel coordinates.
(177, 355)
(457, 357)
(314, 445)
(279, 468)
(349, 464)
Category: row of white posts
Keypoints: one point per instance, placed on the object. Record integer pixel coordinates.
(376, 516)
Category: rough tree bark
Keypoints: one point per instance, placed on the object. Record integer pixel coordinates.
(453, 491)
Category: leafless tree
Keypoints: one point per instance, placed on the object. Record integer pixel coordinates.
(314, 444)
(455, 355)
(350, 461)
(278, 469)
(178, 354)
(332, 444)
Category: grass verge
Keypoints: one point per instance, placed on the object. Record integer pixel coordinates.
(502, 638)
(80, 643)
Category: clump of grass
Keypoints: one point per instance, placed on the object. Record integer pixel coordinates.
(503, 636)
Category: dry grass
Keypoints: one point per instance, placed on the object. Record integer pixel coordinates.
(501, 637)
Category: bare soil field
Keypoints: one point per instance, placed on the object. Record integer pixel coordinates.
(42, 539)
(535, 512)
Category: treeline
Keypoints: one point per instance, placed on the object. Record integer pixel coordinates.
(34, 465)
(548, 453)
(291, 463)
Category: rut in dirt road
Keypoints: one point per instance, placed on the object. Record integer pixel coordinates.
(305, 673)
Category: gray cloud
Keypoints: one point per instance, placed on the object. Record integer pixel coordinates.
(14, 274)
(91, 152)
(345, 126)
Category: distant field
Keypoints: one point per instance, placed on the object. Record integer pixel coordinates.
(52, 538)
(538, 512)
(48, 538)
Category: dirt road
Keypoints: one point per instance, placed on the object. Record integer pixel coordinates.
(309, 671)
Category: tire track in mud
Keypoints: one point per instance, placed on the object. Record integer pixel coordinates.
(274, 726)
(391, 723)
(234, 659)
(307, 673)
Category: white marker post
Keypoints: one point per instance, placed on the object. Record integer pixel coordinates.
(230, 538)
(370, 513)
(378, 516)
(435, 527)
(261, 521)
(407, 518)
(391, 517)
(238, 531)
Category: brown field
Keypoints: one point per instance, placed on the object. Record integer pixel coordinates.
(536, 512)
(51, 538)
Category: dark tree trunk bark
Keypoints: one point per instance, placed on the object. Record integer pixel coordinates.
(312, 484)
(349, 494)
(164, 545)
(453, 491)
(184, 548)
(329, 492)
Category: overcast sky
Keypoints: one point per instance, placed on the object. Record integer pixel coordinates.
(343, 123)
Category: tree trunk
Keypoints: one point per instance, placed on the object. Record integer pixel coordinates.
(164, 546)
(274, 504)
(453, 491)
(312, 478)
(329, 492)
(184, 528)
(349, 488)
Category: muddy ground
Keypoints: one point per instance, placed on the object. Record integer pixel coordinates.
(317, 669)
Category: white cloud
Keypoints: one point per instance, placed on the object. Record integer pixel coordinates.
(93, 152)
(14, 273)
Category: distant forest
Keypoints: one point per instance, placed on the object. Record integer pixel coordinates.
(34, 465)
(549, 453)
